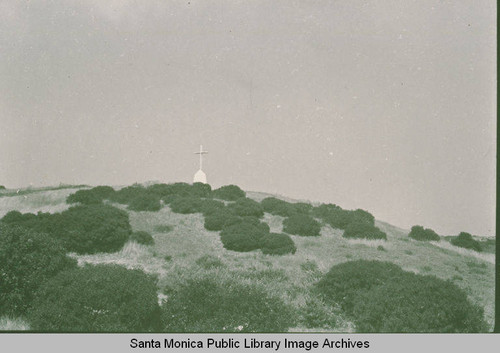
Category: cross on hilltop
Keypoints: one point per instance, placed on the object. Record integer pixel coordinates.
(200, 176)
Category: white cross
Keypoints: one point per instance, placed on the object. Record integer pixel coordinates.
(201, 153)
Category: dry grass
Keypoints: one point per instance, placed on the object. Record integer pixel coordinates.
(43, 201)
(13, 324)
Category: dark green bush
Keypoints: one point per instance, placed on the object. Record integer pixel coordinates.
(2, 187)
(228, 193)
(209, 207)
(145, 202)
(333, 215)
(127, 194)
(246, 207)
(363, 230)
(381, 297)
(302, 207)
(91, 196)
(91, 229)
(419, 233)
(465, 240)
(218, 219)
(278, 244)
(99, 298)
(200, 190)
(243, 235)
(186, 205)
(339, 218)
(344, 281)
(142, 237)
(278, 207)
(301, 224)
(224, 306)
(27, 259)
(85, 229)
(416, 303)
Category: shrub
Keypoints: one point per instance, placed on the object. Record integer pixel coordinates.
(333, 215)
(142, 237)
(186, 205)
(209, 262)
(102, 298)
(302, 207)
(344, 281)
(225, 306)
(89, 229)
(27, 259)
(145, 202)
(228, 193)
(278, 207)
(381, 297)
(91, 196)
(243, 235)
(416, 303)
(2, 187)
(209, 206)
(127, 194)
(465, 240)
(300, 224)
(363, 230)
(421, 234)
(246, 207)
(278, 244)
(339, 218)
(218, 219)
(200, 190)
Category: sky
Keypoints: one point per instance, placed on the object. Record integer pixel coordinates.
(388, 106)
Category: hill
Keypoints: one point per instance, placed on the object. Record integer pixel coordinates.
(184, 251)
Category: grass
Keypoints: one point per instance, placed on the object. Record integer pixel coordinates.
(185, 250)
(13, 324)
(31, 190)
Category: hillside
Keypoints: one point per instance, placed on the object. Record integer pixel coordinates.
(184, 250)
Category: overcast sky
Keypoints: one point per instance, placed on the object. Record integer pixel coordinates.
(389, 106)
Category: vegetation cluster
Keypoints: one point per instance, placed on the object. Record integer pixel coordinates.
(381, 297)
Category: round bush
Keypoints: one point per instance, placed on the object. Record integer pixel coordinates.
(201, 190)
(416, 303)
(27, 259)
(246, 207)
(363, 230)
(145, 202)
(243, 236)
(465, 240)
(278, 207)
(102, 298)
(142, 237)
(86, 197)
(421, 234)
(127, 194)
(344, 281)
(333, 215)
(90, 229)
(2, 187)
(228, 193)
(186, 205)
(218, 219)
(224, 306)
(210, 207)
(300, 224)
(278, 244)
